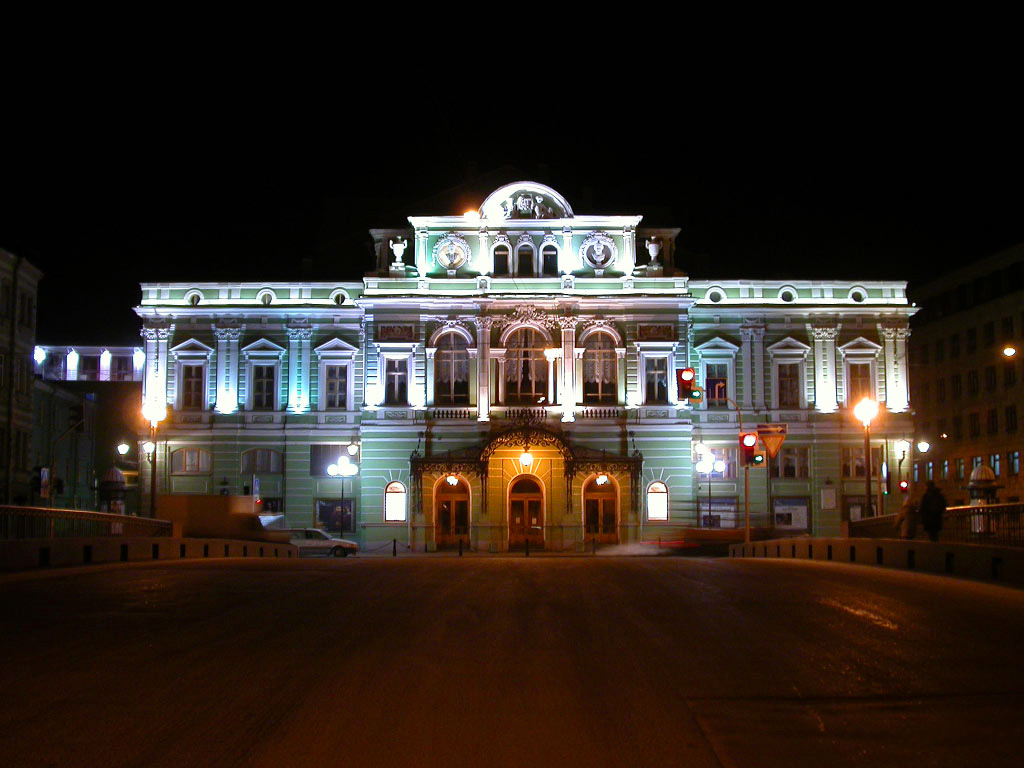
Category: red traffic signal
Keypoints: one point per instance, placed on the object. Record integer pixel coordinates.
(685, 380)
(904, 486)
(748, 447)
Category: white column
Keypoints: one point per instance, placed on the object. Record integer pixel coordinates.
(825, 393)
(897, 396)
(71, 365)
(483, 259)
(298, 368)
(227, 368)
(156, 363)
(757, 334)
(551, 355)
(105, 357)
(567, 396)
(483, 368)
(421, 251)
(620, 362)
(566, 257)
(430, 352)
(629, 248)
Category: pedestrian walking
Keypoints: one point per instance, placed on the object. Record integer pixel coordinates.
(906, 520)
(933, 507)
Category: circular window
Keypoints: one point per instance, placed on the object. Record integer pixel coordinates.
(266, 297)
(715, 295)
(787, 294)
(858, 295)
(193, 297)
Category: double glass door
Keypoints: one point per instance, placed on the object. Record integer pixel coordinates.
(526, 514)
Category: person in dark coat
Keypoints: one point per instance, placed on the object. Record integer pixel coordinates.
(933, 506)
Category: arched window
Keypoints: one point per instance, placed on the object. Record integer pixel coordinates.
(451, 370)
(549, 259)
(600, 370)
(261, 461)
(657, 501)
(526, 369)
(191, 461)
(524, 261)
(395, 503)
(501, 264)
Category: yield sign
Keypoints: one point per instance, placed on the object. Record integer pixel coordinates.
(772, 435)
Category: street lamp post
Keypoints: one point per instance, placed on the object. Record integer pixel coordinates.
(154, 413)
(865, 411)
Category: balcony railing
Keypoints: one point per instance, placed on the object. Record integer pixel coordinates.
(996, 524)
(42, 523)
(451, 414)
(600, 412)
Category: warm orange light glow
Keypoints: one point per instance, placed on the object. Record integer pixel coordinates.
(865, 411)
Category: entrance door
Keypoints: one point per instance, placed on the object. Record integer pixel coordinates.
(452, 513)
(599, 518)
(526, 514)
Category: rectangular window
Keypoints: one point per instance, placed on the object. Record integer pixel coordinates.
(940, 350)
(972, 340)
(323, 456)
(191, 461)
(940, 390)
(973, 425)
(789, 385)
(990, 378)
(1007, 328)
(191, 386)
(716, 380)
(396, 382)
(942, 428)
(859, 385)
(960, 469)
(89, 368)
(121, 369)
(988, 334)
(917, 471)
(929, 471)
(954, 346)
(1013, 462)
(972, 383)
(1010, 415)
(975, 462)
(853, 461)
(336, 386)
(992, 421)
(994, 463)
(1009, 374)
(263, 387)
(655, 380)
(945, 469)
(958, 427)
(956, 386)
(790, 462)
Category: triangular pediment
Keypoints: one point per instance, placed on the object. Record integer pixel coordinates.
(191, 347)
(789, 346)
(717, 344)
(263, 346)
(860, 346)
(336, 347)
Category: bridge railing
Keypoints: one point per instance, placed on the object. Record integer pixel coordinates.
(997, 524)
(42, 523)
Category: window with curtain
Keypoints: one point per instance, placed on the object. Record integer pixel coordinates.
(191, 461)
(336, 385)
(526, 369)
(451, 370)
(394, 503)
(396, 377)
(263, 387)
(600, 370)
(657, 501)
(261, 461)
(789, 385)
(716, 385)
(191, 386)
(859, 385)
(655, 380)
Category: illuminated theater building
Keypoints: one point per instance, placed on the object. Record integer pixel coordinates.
(509, 376)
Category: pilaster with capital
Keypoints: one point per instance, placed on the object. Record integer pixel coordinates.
(421, 252)
(825, 392)
(484, 264)
(299, 338)
(567, 392)
(155, 382)
(894, 335)
(753, 365)
(483, 367)
(565, 254)
(227, 367)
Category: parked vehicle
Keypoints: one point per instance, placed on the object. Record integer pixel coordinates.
(313, 541)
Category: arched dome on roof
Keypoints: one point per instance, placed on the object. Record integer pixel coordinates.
(983, 474)
(525, 200)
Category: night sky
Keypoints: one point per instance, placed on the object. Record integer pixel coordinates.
(845, 193)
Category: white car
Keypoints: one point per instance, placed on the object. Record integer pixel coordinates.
(313, 541)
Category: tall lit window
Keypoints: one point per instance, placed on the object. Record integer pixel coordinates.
(655, 380)
(960, 471)
(789, 385)
(335, 385)
(600, 370)
(1011, 418)
(263, 387)
(1013, 462)
(657, 501)
(261, 461)
(859, 385)
(191, 386)
(945, 469)
(395, 503)
(396, 382)
(792, 461)
(191, 461)
(451, 370)
(853, 461)
(716, 386)
(526, 369)
(994, 463)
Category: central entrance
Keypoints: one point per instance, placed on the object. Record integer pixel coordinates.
(452, 513)
(525, 513)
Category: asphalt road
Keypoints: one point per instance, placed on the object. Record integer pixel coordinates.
(421, 661)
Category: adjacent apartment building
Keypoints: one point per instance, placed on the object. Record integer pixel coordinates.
(508, 378)
(966, 363)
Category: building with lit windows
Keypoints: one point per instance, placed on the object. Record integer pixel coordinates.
(509, 376)
(967, 389)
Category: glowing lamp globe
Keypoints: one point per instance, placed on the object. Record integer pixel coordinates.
(704, 466)
(923, 446)
(452, 480)
(526, 458)
(865, 411)
(122, 448)
(719, 465)
(602, 479)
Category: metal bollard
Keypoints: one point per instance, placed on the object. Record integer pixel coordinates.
(394, 547)
(460, 546)
(527, 547)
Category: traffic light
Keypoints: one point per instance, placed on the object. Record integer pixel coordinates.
(904, 486)
(686, 380)
(748, 448)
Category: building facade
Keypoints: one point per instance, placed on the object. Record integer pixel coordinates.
(19, 285)
(510, 376)
(967, 392)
